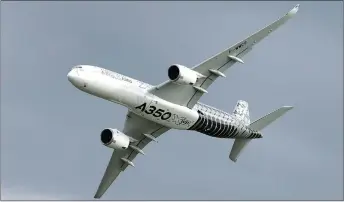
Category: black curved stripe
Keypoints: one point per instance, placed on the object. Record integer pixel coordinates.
(228, 128)
(215, 127)
(225, 126)
(231, 132)
(196, 123)
(199, 123)
(235, 133)
(212, 126)
(251, 136)
(204, 121)
(223, 133)
(206, 129)
(204, 126)
(220, 127)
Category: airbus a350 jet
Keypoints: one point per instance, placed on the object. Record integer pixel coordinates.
(153, 110)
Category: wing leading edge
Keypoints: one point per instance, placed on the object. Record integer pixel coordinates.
(215, 66)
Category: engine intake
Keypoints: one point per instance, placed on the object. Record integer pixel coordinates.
(114, 139)
(106, 136)
(173, 72)
(183, 75)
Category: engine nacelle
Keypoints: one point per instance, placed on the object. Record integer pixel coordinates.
(183, 75)
(114, 139)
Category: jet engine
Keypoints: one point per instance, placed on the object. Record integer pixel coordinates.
(114, 139)
(183, 75)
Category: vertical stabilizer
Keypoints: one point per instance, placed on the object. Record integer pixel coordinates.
(241, 112)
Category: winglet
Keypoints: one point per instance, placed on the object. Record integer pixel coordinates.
(294, 10)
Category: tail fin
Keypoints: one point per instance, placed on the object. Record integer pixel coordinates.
(239, 144)
(241, 112)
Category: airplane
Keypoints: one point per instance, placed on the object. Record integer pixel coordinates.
(173, 104)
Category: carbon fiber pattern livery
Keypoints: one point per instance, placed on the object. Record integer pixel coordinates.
(219, 127)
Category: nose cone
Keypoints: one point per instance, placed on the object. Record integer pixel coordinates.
(72, 76)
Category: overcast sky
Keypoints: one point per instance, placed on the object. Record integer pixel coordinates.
(50, 145)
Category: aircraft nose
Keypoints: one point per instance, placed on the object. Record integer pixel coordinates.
(72, 75)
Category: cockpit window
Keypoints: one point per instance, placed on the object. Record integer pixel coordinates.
(79, 67)
(87, 68)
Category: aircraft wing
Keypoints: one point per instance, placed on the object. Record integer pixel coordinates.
(134, 127)
(212, 68)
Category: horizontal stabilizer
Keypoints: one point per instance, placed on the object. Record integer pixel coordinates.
(269, 118)
(238, 146)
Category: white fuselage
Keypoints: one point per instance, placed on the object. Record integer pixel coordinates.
(135, 95)
(132, 94)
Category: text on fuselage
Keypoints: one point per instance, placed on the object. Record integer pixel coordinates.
(156, 112)
(164, 115)
(115, 76)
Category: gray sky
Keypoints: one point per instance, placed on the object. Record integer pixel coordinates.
(50, 146)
